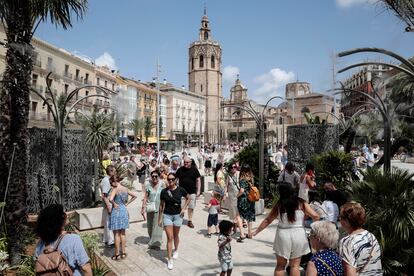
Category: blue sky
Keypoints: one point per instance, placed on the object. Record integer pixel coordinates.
(269, 42)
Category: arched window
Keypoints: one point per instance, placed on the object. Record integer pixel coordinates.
(205, 35)
(201, 65)
(305, 110)
(213, 62)
(192, 63)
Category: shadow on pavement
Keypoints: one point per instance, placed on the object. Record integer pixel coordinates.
(141, 240)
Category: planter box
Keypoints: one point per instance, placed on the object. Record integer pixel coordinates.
(91, 218)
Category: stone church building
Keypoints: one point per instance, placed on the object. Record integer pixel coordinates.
(224, 121)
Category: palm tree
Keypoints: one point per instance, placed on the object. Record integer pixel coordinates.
(137, 126)
(21, 18)
(388, 198)
(99, 134)
(148, 126)
(403, 9)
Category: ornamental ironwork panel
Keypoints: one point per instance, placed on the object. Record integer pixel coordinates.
(304, 141)
(41, 169)
(78, 170)
(42, 172)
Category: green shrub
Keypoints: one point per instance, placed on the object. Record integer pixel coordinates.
(389, 203)
(333, 166)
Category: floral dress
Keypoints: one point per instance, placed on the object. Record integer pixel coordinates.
(119, 216)
(245, 207)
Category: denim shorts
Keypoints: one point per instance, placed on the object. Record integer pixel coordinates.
(175, 220)
(226, 265)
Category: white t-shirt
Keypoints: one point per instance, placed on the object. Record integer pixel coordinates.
(362, 252)
(332, 210)
(278, 157)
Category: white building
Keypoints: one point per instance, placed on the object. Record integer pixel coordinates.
(185, 114)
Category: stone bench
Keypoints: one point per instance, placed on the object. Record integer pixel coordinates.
(409, 160)
(259, 205)
(91, 218)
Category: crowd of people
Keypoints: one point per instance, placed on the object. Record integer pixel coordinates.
(171, 187)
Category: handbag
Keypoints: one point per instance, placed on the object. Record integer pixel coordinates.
(151, 207)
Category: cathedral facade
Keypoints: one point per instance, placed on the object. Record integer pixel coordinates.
(205, 78)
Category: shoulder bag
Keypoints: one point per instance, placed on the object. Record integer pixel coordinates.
(151, 207)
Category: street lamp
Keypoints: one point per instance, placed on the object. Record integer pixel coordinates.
(260, 122)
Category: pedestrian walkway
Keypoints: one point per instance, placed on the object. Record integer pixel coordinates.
(197, 253)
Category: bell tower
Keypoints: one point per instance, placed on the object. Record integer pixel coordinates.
(205, 77)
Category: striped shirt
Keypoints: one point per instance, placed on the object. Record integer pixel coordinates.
(363, 252)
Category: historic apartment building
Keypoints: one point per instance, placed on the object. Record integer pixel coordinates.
(185, 114)
(68, 72)
(205, 78)
(363, 80)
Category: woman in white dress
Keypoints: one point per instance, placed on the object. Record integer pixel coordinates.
(290, 242)
(233, 188)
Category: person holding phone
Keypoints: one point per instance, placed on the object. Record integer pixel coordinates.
(171, 214)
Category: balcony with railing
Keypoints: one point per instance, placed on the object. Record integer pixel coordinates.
(78, 79)
(86, 81)
(37, 63)
(51, 68)
(67, 75)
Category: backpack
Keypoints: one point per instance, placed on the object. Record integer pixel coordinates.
(254, 194)
(52, 262)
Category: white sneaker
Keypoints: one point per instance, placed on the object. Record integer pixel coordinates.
(170, 264)
(175, 255)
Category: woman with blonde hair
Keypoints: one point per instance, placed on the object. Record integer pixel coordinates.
(244, 206)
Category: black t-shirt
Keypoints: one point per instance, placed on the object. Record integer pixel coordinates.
(188, 178)
(172, 200)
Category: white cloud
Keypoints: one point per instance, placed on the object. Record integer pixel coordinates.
(230, 73)
(349, 3)
(272, 84)
(106, 59)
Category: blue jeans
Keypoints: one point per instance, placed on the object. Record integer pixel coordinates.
(175, 220)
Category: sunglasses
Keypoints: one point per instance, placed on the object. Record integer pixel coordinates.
(154, 176)
(170, 179)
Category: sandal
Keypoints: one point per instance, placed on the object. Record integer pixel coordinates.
(249, 236)
(115, 257)
(123, 255)
(208, 235)
(240, 239)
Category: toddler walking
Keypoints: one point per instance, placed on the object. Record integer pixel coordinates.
(224, 252)
(212, 220)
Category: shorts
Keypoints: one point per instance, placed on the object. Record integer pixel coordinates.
(192, 203)
(226, 265)
(212, 220)
(174, 220)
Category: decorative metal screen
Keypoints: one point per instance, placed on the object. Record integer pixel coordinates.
(78, 169)
(304, 141)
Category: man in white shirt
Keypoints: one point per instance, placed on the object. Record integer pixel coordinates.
(108, 236)
(278, 159)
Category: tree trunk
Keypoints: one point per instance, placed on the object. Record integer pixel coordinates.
(14, 113)
(96, 176)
